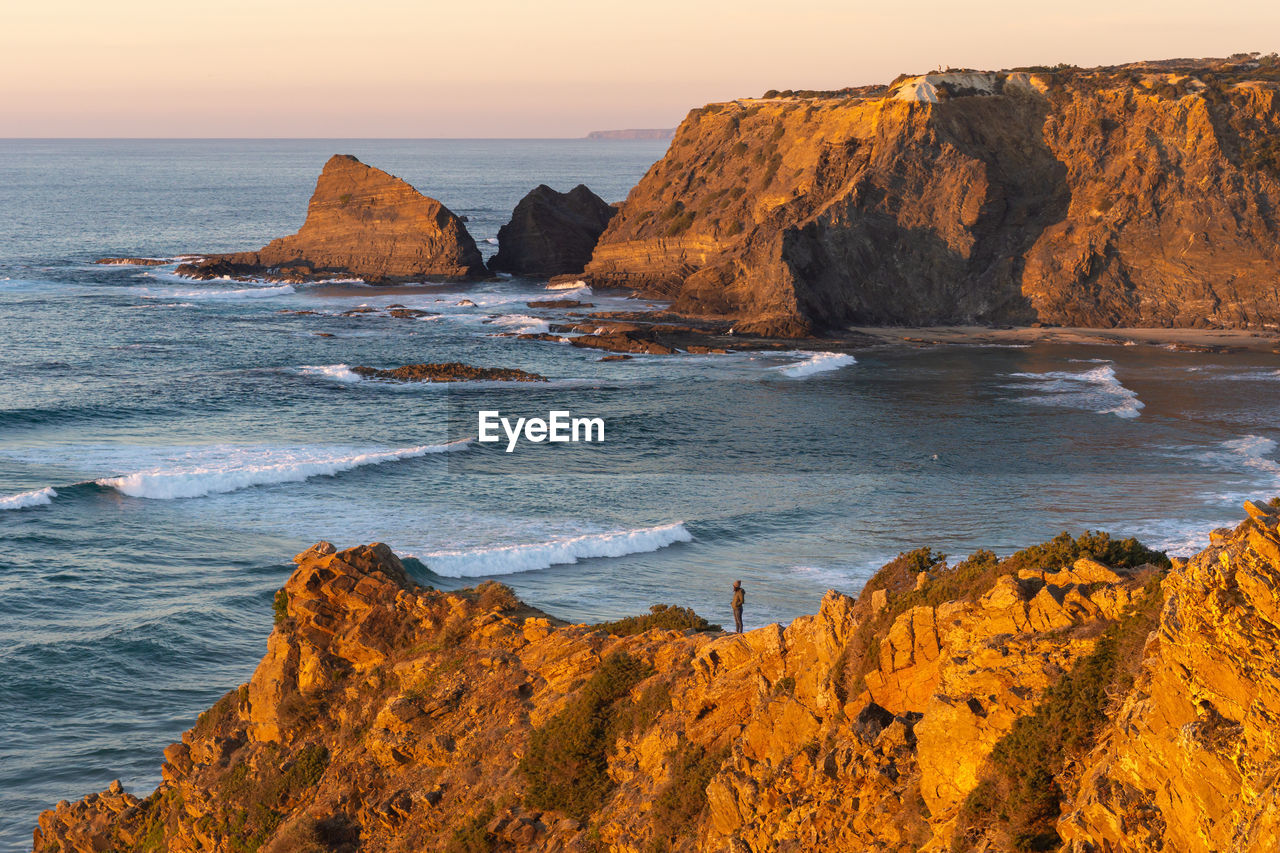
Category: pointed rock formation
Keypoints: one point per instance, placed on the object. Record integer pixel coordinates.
(552, 233)
(361, 222)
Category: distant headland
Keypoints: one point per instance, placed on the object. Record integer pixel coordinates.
(658, 133)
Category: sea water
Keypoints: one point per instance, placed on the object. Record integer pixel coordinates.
(167, 445)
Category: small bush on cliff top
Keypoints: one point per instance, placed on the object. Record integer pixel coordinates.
(667, 617)
(1018, 795)
(566, 766)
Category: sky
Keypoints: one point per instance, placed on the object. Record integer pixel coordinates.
(530, 68)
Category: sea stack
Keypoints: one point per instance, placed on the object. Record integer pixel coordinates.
(552, 233)
(361, 222)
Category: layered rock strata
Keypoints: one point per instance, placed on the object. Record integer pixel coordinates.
(360, 222)
(1143, 195)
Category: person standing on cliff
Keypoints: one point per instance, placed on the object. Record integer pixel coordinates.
(739, 598)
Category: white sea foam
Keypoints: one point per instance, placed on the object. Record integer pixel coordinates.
(221, 469)
(492, 241)
(510, 559)
(36, 497)
(820, 362)
(570, 285)
(1097, 390)
(1251, 451)
(334, 372)
(213, 294)
(522, 324)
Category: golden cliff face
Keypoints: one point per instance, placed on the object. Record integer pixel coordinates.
(388, 716)
(1077, 198)
(1190, 760)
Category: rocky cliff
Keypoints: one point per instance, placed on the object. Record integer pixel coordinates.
(552, 233)
(1082, 694)
(1141, 195)
(360, 222)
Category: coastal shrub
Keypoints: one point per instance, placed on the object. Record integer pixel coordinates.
(473, 835)
(155, 811)
(566, 766)
(671, 211)
(680, 224)
(786, 684)
(492, 595)
(280, 605)
(966, 581)
(667, 617)
(772, 169)
(254, 801)
(1062, 550)
(640, 715)
(221, 714)
(1018, 795)
(682, 800)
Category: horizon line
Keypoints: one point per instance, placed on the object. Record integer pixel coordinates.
(322, 138)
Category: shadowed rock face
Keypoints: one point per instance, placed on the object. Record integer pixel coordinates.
(552, 233)
(1091, 198)
(361, 222)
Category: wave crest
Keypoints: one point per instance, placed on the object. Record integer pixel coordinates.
(820, 362)
(511, 559)
(1097, 390)
(241, 468)
(36, 497)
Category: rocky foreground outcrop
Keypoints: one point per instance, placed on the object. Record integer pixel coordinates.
(360, 222)
(552, 233)
(1140, 195)
(1082, 694)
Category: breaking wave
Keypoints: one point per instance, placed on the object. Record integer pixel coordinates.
(1251, 451)
(336, 372)
(820, 362)
(36, 497)
(227, 469)
(1096, 390)
(511, 559)
(522, 324)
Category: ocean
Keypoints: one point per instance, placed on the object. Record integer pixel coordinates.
(166, 446)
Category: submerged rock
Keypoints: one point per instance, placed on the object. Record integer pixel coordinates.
(360, 222)
(551, 233)
(448, 372)
(621, 342)
(132, 262)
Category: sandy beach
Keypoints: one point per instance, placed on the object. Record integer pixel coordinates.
(1196, 340)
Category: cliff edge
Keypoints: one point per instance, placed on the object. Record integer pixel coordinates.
(360, 222)
(1137, 195)
(1082, 694)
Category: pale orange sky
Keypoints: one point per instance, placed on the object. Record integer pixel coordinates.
(501, 68)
